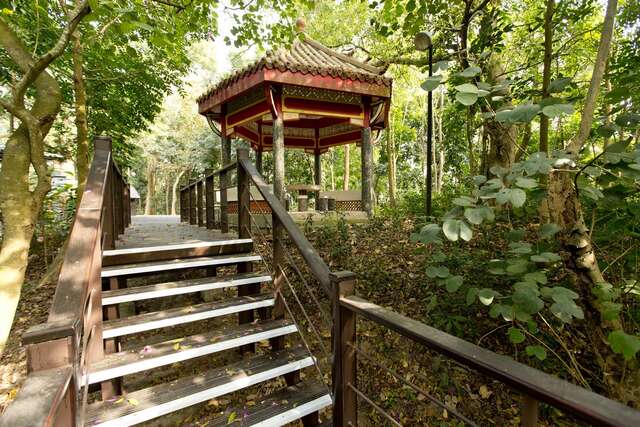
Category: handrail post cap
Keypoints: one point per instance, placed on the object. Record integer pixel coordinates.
(242, 153)
(343, 282)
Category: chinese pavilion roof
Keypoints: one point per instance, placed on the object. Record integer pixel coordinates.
(326, 98)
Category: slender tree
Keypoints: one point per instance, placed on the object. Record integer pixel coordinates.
(20, 205)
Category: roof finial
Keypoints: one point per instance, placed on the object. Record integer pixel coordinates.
(300, 25)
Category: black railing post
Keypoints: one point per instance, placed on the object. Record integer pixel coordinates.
(193, 219)
(200, 207)
(209, 198)
(183, 216)
(224, 205)
(244, 196)
(344, 356)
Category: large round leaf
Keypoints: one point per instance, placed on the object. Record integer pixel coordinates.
(556, 110)
(431, 83)
(466, 98)
(467, 87)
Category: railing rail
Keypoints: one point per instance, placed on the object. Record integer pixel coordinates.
(60, 350)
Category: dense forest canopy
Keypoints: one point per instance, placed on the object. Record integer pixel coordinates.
(536, 128)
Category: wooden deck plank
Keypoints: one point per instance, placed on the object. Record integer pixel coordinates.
(152, 356)
(177, 316)
(175, 251)
(139, 293)
(175, 264)
(280, 408)
(146, 404)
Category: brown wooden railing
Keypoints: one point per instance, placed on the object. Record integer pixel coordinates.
(59, 350)
(339, 287)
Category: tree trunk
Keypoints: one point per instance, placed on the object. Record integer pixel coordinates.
(347, 167)
(546, 72)
(391, 162)
(502, 136)
(82, 127)
(174, 193)
(524, 143)
(469, 135)
(19, 205)
(149, 205)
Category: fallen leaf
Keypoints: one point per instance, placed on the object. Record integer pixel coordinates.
(484, 392)
(133, 401)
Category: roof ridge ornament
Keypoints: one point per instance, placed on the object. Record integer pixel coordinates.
(301, 25)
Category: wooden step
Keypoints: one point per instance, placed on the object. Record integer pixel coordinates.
(177, 316)
(159, 290)
(175, 264)
(175, 251)
(162, 399)
(280, 408)
(152, 356)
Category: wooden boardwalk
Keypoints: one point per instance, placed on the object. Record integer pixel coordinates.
(163, 230)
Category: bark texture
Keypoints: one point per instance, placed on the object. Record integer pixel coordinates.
(174, 193)
(20, 205)
(546, 71)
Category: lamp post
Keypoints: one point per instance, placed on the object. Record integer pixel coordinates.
(422, 42)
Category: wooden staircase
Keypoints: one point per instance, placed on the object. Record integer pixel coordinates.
(302, 400)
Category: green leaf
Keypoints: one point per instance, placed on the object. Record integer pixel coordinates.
(474, 215)
(517, 266)
(451, 229)
(431, 83)
(565, 310)
(524, 113)
(546, 257)
(517, 197)
(504, 116)
(467, 87)
(520, 248)
(430, 233)
(515, 335)
(466, 98)
(527, 183)
(437, 271)
(472, 293)
(547, 231)
(465, 231)
(527, 300)
(464, 201)
(453, 283)
(470, 72)
(486, 296)
(479, 180)
(232, 418)
(536, 350)
(610, 310)
(625, 344)
(556, 110)
(558, 85)
(536, 277)
(441, 65)
(438, 256)
(515, 235)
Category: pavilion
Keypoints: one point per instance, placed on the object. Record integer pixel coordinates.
(307, 97)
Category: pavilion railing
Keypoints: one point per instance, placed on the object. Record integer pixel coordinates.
(60, 350)
(337, 290)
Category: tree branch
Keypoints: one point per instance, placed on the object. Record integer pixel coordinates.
(33, 70)
(596, 79)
